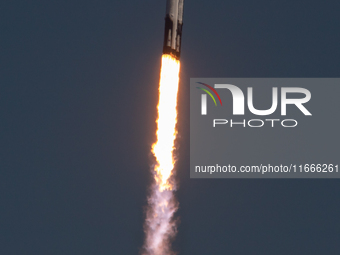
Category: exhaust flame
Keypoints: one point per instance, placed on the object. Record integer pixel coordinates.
(160, 226)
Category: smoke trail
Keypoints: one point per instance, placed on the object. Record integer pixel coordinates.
(160, 227)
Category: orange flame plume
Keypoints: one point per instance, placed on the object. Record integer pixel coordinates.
(160, 226)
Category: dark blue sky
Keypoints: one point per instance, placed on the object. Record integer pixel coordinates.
(78, 95)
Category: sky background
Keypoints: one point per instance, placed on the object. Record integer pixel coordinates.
(78, 95)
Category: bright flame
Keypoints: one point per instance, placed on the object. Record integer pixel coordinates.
(167, 118)
(160, 226)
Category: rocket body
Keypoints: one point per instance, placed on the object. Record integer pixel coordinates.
(173, 28)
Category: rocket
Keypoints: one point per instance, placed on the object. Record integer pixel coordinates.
(173, 28)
